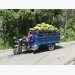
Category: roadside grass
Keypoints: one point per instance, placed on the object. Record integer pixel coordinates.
(2, 46)
(68, 39)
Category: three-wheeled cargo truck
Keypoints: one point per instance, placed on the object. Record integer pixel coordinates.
(41, 37)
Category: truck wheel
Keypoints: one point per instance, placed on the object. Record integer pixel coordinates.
(15, 51)
(51, 47)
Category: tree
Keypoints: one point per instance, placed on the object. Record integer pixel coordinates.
(15, 23)
(65, 24)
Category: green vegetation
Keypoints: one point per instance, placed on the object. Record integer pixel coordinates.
(15, 23)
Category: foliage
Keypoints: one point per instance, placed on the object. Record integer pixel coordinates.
(15, 23)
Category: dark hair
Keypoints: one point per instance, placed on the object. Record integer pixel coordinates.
(30, 32)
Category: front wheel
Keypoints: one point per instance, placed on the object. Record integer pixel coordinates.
(51, 47)
(17, 50)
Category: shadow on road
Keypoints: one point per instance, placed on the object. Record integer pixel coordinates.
(42, 49)
(58, 47)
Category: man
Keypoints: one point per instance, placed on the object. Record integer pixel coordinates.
(29, 38)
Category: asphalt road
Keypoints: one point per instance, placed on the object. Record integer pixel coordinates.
(63, 54)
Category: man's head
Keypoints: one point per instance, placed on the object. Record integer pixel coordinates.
(30, 32)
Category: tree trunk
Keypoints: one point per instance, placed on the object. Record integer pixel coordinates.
(65, 24)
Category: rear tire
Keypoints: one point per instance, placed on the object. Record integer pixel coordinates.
(51, 47)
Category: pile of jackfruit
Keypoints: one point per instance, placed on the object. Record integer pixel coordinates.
(44, 26)
(61, 37)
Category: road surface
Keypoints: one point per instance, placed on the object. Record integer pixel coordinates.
(63, 54)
